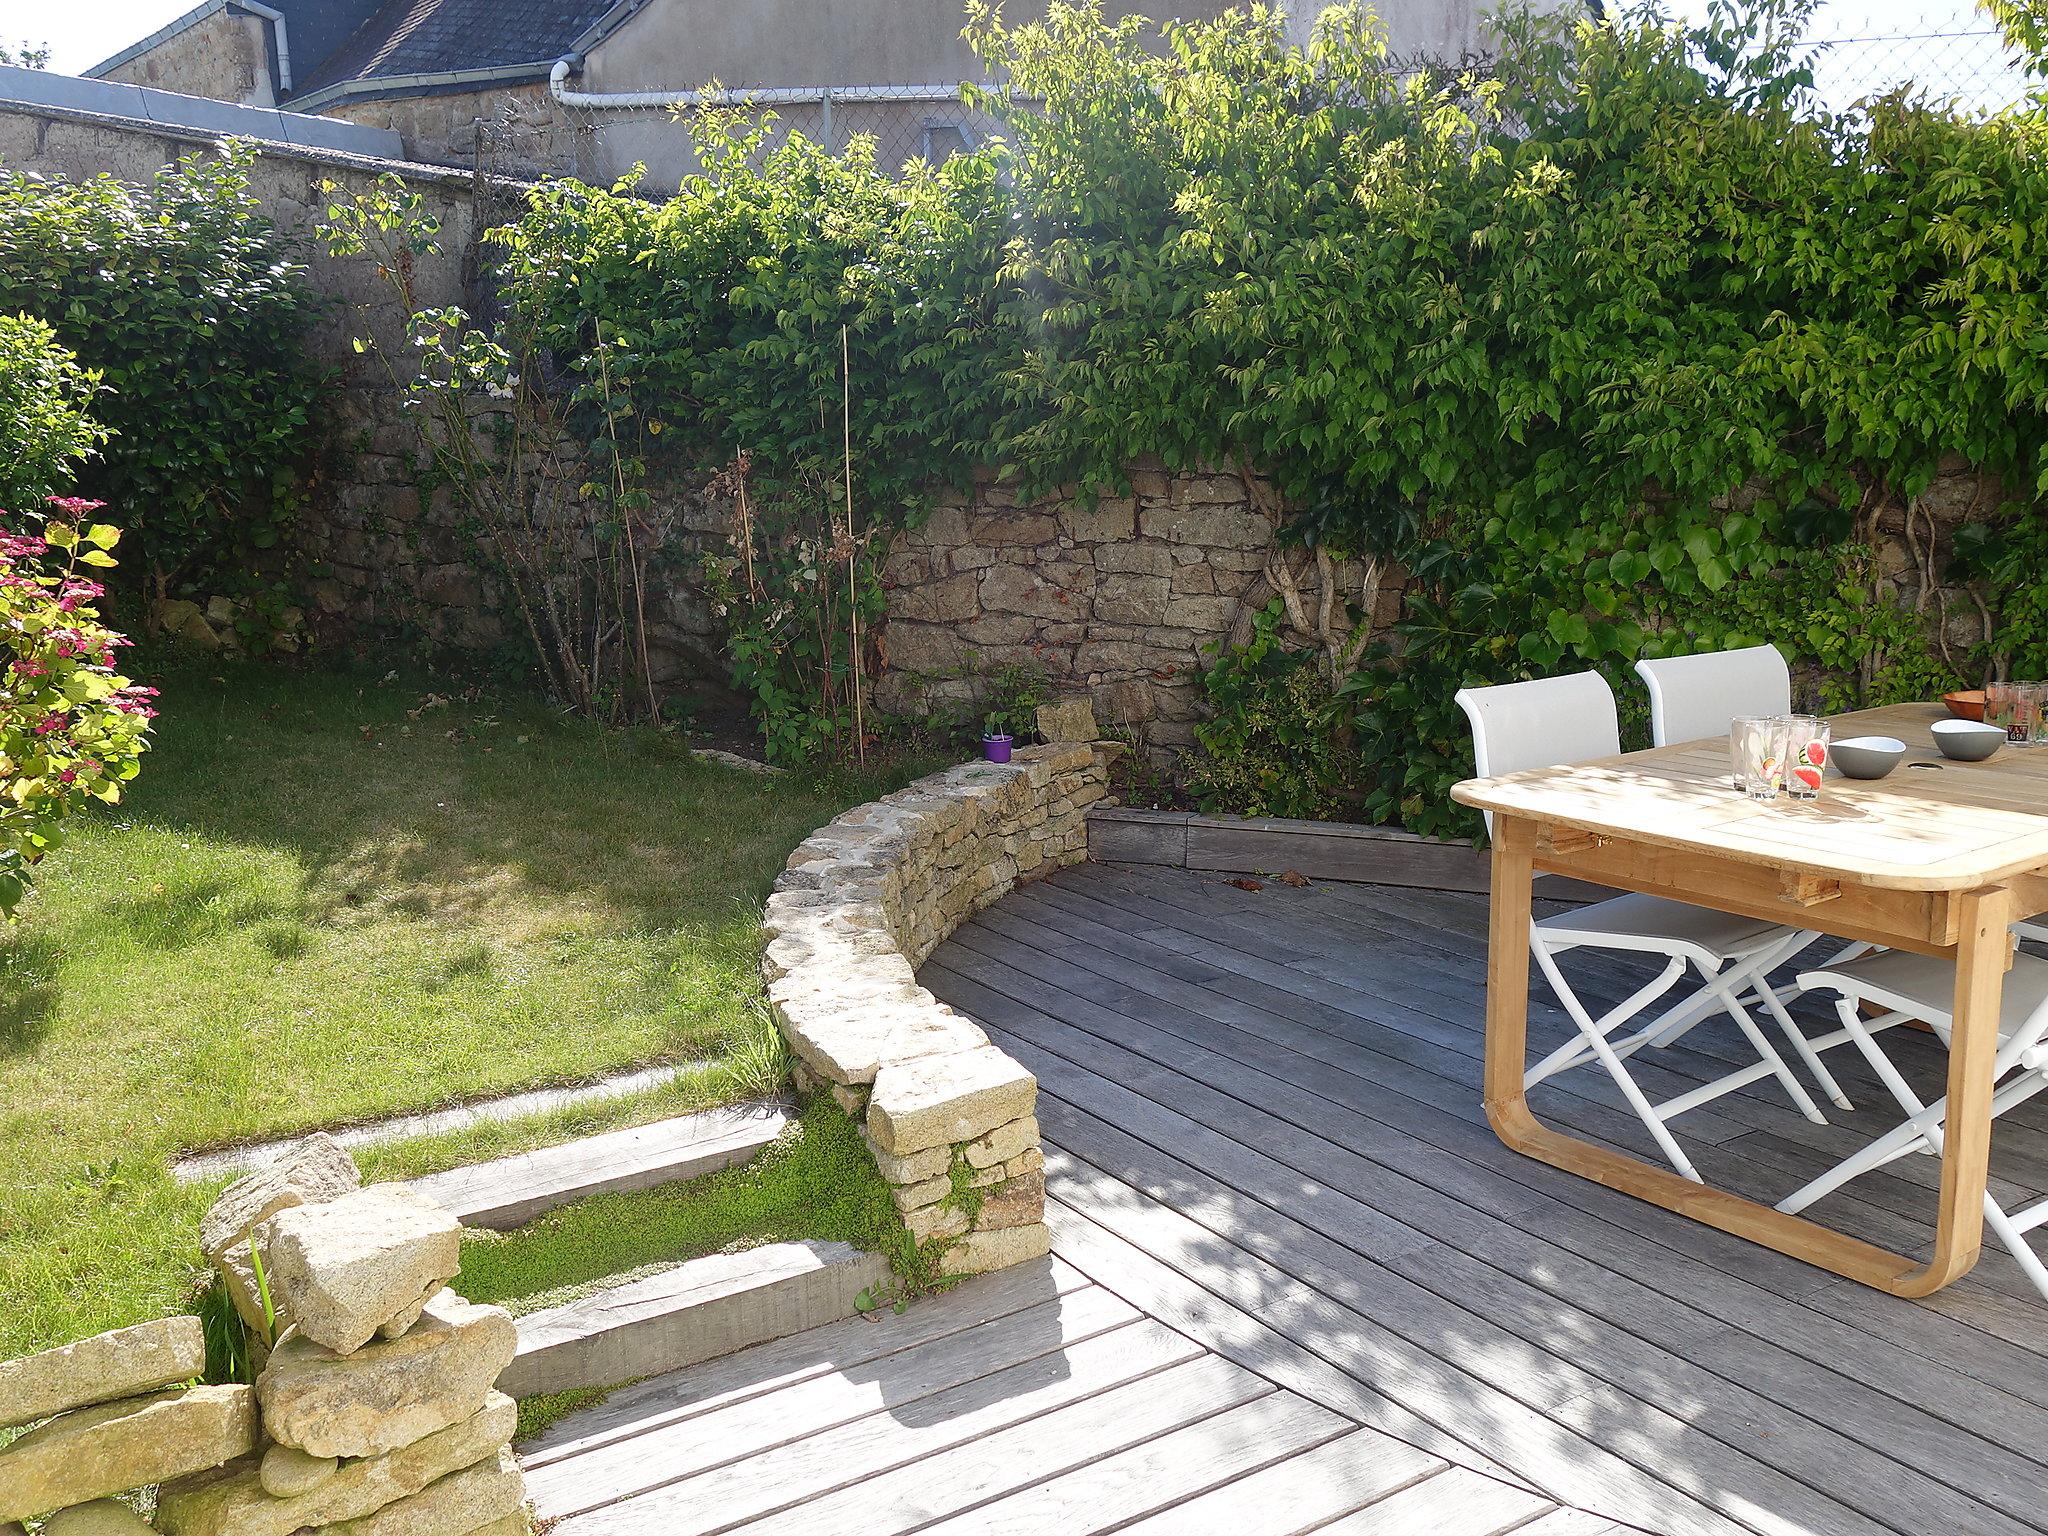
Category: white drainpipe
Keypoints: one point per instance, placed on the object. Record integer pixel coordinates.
(284, 42)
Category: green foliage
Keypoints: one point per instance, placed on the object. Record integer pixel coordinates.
(796, 589)
(1277, 743)
(817, 324)
(572, 551)
(194, 310)
(1010, 696)
(45, 431)
(72, 728)
(1624, 347)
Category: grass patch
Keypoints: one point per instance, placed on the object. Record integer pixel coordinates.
(333, 897)
(816, 1181)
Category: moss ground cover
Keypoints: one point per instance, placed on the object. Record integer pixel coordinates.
(337, 896)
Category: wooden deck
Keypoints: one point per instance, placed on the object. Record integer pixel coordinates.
(1031, 1402)
(1299, 1286)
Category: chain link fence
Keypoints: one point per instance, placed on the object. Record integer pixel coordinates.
(1950, 53)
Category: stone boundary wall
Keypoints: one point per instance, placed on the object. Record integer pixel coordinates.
(948, 1116)
(1120, 598)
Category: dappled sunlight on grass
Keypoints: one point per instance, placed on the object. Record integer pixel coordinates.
(328, 900)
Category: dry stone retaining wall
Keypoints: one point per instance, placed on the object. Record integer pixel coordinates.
(374, 1415)
(948, 1116)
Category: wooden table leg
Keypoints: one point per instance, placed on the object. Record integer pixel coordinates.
(1983, 950)
(1507, 978)
(1980, 973)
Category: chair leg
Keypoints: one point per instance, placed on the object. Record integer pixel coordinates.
(1596, 1040)
(2014, 1236)
(1720, 985)
(1573, 1052)
(1797, 1036)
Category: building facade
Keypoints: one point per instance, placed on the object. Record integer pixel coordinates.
(586, 87)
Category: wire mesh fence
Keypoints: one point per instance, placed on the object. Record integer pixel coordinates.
(1949, 54)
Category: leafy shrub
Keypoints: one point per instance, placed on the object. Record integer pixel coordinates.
(1625, 346)
(821, 326)
(72, 729)
(1278, 743)
(573, 554)
(45, 433)
(194, 310)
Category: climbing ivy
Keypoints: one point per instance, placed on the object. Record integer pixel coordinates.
(1625, 346)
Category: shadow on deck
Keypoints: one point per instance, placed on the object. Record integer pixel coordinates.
(1299, 1286)
(1263, 1122)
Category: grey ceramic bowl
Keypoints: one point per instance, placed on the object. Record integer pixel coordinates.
(1867, 757)
(1967, 741)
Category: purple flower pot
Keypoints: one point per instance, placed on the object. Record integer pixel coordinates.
(996, 748)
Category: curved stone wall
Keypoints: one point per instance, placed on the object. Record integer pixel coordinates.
(949, 1117)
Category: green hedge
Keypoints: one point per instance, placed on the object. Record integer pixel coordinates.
(1623, 347)
(194, 311)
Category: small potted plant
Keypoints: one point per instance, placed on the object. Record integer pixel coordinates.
(996, 739)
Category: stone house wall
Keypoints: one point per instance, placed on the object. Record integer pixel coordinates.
(226, 57)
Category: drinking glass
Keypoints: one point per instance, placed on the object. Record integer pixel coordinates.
(1806, 755)
(2027, 728)
(1757, 745)
(2001, 707)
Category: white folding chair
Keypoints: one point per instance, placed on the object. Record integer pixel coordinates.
(1697, 698)
(1910, 987)
(1569, 720)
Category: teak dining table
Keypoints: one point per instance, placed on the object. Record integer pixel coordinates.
(1938, 858)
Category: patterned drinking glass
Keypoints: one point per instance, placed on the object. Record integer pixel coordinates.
(2028, 699)
(1806, 755)
(2001, 707)
(1757, 744)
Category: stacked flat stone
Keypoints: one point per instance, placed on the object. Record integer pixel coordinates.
(112, 1415)
(948, 1116)
(377, 1407)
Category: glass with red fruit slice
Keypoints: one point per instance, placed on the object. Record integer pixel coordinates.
(1806, 756)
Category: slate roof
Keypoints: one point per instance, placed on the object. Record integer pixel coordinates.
(424, 37)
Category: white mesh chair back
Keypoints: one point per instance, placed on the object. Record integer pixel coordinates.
(1695, 697)
(1541, 724)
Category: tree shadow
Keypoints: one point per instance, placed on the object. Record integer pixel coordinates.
(29, 991)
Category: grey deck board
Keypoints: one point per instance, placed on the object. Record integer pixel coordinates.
(1729, 1413)
(1300, 1287)
(1303, 1492)
(1258, 1070)
(1387, 1127)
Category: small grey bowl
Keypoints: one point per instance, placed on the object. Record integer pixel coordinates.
(1967, 741)
(1867, 757)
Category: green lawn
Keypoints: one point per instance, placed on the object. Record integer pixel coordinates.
(331, 897)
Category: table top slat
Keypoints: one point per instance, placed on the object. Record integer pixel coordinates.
(1932, 824)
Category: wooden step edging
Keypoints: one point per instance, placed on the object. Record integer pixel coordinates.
(1321, 850)
(949, 1118)
(510, 1191)
(694, 1312)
